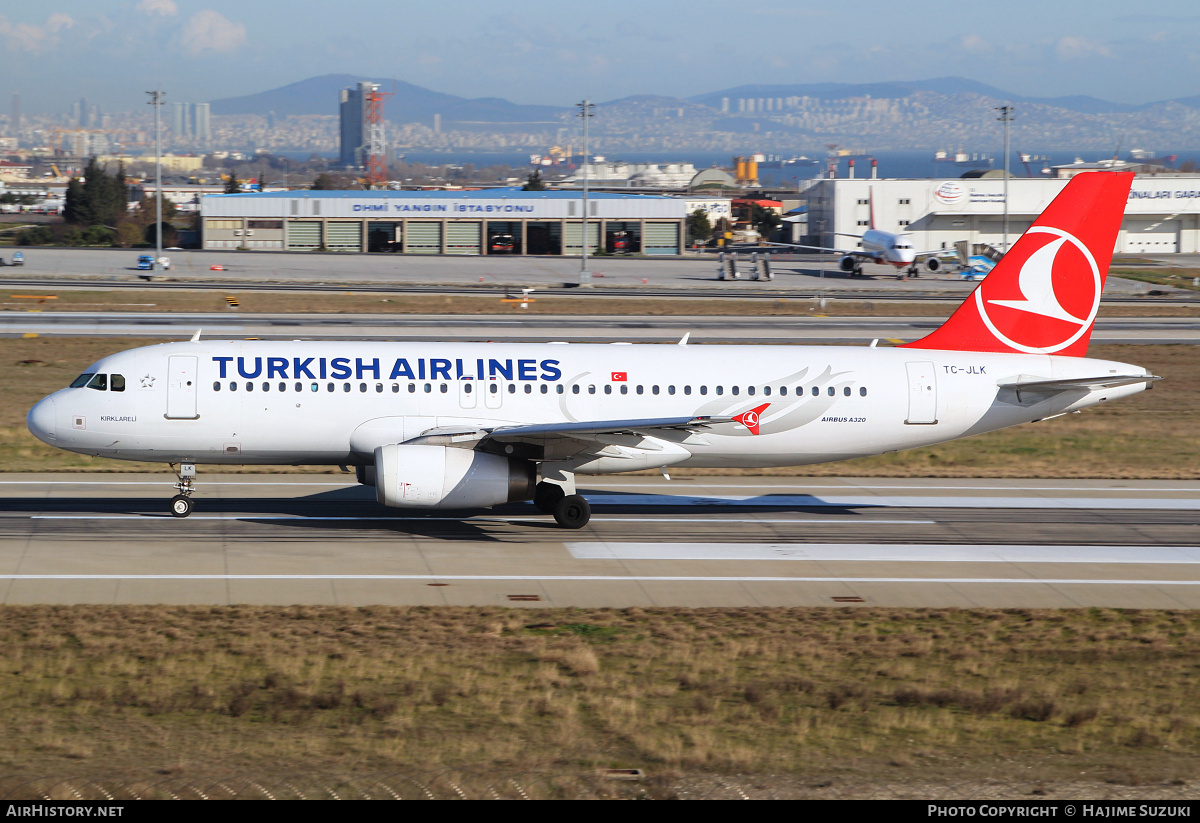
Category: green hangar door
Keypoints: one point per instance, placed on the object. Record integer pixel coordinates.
(661, 238)
(303, 235)
(343, 236)
(464, 238)
(424, 238)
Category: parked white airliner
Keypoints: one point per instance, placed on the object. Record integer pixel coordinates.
(465, 425)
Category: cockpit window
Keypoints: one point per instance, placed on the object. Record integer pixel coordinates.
(99, 382)
(82, 380)
(118, 383)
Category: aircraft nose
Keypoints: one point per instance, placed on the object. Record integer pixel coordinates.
(41, 420)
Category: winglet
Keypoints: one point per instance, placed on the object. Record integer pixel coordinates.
(196, 336)
(1043, 295)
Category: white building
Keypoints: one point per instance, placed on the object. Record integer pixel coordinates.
(1162, 215)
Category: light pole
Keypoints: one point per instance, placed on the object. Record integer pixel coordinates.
(156, 100)
(585, 111)
(1006, 115)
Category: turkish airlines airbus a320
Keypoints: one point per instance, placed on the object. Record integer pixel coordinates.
(467, 425)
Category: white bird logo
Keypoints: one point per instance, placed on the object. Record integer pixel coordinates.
(1037, 286)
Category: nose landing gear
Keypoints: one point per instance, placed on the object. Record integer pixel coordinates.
(181, 504)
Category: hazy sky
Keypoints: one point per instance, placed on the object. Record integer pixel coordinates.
(555, 52)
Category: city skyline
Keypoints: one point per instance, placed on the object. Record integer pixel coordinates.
(533, 53)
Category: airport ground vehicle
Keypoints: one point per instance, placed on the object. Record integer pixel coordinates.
(470, 425)
(145, 262)
(501, 244)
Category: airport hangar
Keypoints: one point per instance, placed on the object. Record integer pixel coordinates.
(1161, 217)
(450, 222)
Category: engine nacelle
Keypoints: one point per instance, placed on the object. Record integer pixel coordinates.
(848, 263)
(438, 477)
(933, 264)
(365, 475)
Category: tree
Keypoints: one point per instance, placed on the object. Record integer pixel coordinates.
(699, 227)
(766, 221)
(232, 185)
(75, 208)
(324, 182)
(169, 234)
(534, 182)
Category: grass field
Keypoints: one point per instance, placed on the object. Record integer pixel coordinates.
(1151, 435)
(841, 695)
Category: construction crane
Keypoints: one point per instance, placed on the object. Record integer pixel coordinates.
(376, 140)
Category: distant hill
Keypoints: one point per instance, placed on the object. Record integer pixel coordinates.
(409, 103)
(940, 85)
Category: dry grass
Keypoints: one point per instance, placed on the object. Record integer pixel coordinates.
(135, 690)
(184, 300)
(1151, 435)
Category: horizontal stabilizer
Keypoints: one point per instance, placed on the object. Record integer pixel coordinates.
(1108, 381)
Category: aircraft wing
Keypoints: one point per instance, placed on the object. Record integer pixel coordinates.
(1108, 381)
(827, 249)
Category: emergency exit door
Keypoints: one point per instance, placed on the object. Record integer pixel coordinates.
(182, 382)
(922, 394)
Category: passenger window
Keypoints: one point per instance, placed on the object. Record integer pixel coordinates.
(670, 389)
(735, 390)
(575, 389)
(378, 388)
(329, 387)
(815, 391)
(862, 391)
(282, 386)
(99, 382)
(443, 387)
(832, 391)
(591, 389)
(560, 388)
(654, 389)
(299, 386)
(117, 383)
(846, 391)
(767, 391)
(512, 388)
(429, 388)
(783, 390)
(545, 388)
(687, 389)
(345, 387)
(704, 389)
(232, 386)
(395, 388)
(216, 385)
(362, 387)
(266, 386)
(720, 389)
(493, 388)
(640, 389)
(412, 387)
(624, 389)
(82, 380)
(608, 388)
(314, 386)
(467, 388)
(249, 386)
(529, 388)
(750, 390)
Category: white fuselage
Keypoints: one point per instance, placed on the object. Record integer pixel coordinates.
(887, 247)
(301, 402)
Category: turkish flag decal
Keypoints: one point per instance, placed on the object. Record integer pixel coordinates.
(620, 377)
(750, 419)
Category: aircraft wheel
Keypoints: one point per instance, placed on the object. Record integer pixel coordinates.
(546, 497)
(572, 512)
(181, 506)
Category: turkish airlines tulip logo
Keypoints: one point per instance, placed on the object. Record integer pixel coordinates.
(750, 419)
(1053, 300)
(949, 192)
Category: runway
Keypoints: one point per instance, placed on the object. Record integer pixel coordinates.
(541, 328)
(321, 539)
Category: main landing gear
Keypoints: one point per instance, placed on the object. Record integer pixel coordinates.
(571, 511)
(181, 504)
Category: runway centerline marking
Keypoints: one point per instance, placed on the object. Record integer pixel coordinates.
(888, 552)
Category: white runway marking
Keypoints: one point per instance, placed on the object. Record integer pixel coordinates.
(898, 487)
(888, 553)
(848, 520)
(601, 578)
(166, 482)
(883, 501)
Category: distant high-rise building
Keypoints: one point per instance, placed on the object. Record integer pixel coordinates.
(270, 121)
(16, 114)
(181, 126)
(353, 110)
(201, 128)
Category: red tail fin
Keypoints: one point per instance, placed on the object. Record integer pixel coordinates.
(1042, 297)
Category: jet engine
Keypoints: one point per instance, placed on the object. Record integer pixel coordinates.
(848, 263)
(439, 477)
(365, 475)
(933, 264)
